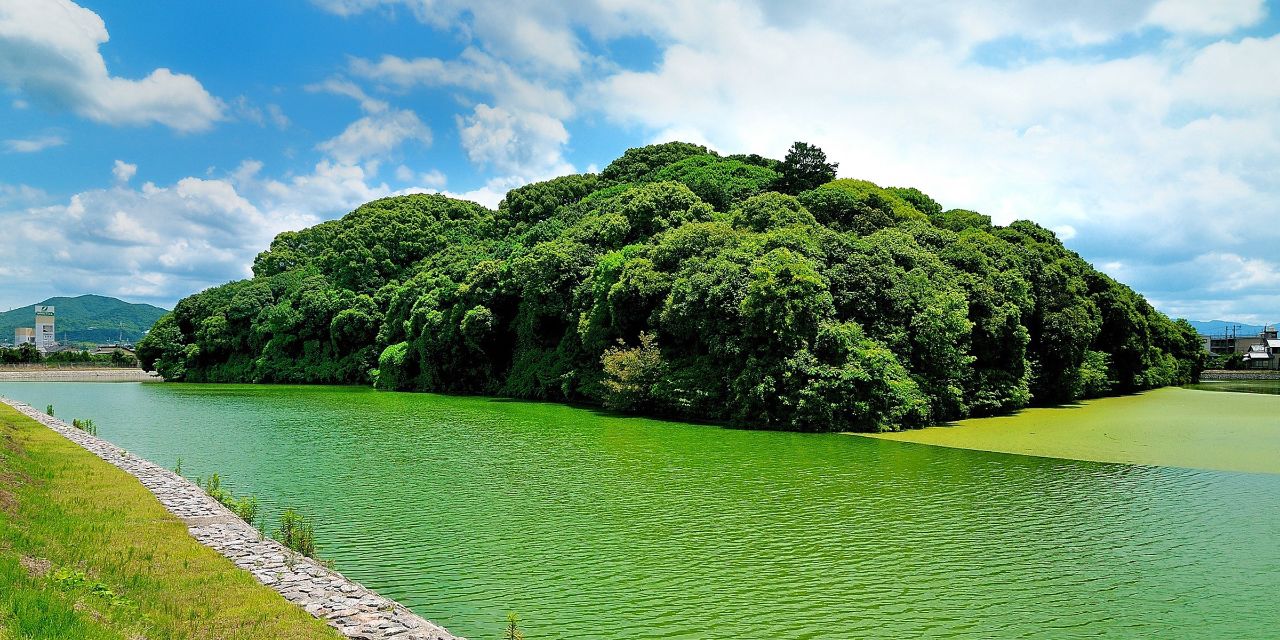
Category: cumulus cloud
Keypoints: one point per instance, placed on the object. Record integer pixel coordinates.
(155, 242)
(32, 145)
(516, 128)
(162, 242)
(376, 135)
(123, 171)
(521, 142)
(49, 53)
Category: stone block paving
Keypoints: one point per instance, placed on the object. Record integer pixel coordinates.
(347, 606)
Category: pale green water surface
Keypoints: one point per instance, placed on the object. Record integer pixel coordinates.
(594, 526)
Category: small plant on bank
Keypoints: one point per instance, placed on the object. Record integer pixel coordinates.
(296, 533)
(513, 631)
(246, 507)
(49, 410)
(86, 426)
(178, 468)
(213, 487)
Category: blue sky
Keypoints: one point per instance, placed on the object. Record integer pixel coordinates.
(151, 149)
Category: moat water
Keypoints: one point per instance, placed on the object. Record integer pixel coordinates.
(591, 525)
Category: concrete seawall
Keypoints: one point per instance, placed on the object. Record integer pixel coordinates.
(76, 374)
(345, 605)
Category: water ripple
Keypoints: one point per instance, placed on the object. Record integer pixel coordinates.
(595, 526)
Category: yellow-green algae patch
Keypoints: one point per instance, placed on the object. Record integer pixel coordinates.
(1168, 427)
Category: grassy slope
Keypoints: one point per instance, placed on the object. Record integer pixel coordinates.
(63, 510)
(1169, 427)
(76, 315)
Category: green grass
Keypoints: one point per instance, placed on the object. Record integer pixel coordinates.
(1167, 427)
(87, 552)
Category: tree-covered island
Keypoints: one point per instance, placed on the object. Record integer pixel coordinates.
(681, 282)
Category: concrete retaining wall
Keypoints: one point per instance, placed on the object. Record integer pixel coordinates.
(1238, 374)
(347, 606)
(76, 374)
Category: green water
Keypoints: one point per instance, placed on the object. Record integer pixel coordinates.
(593, 526)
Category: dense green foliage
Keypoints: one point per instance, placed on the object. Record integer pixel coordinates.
(28, 354)
(87, 319)
(683, 283)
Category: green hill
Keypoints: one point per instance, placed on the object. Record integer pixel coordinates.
(680, 282)
(87, 319)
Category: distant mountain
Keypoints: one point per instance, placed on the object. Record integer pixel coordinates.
(1219, 327)
(87, 319)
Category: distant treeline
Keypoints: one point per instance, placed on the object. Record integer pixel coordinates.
(28, 354)
(680, 282)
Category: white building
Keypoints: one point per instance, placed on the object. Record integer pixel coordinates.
(46, 338)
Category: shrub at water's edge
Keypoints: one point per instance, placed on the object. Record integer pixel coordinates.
(680, 282)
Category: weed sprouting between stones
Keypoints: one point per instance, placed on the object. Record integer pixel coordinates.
(296, 532)
(245, 507)
(85, 425)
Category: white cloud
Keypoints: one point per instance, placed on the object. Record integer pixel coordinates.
(123, 171)
(155, 242)
(517, 127)
(376, 135)
(380, 132)
(49, 53)
(518, 143)
(32, 145)
(473, 70)
(1200, 17)
(330, 189)
(163, 242)
(537, 36)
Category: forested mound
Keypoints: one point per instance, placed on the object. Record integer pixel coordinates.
(684, 283)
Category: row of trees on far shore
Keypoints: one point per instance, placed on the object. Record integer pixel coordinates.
(29, 354)
(682, 282)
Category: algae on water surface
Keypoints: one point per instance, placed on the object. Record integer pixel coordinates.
(1169, 427)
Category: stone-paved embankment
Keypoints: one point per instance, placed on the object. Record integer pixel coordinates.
(347, 606)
